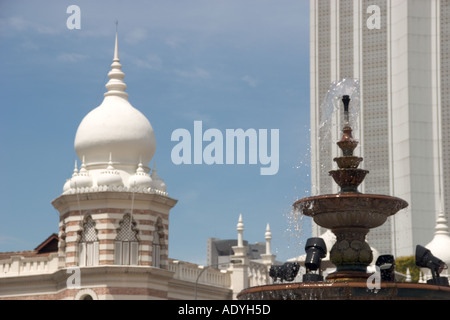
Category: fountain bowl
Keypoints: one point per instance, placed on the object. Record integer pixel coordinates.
(350, 210)
(348, 161)
(345, 291)
(348, 178)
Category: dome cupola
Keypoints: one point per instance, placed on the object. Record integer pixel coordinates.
(115, 126)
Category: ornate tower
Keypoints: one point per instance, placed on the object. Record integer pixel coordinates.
(112, 211)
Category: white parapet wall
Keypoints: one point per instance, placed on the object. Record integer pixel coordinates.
(20, 265)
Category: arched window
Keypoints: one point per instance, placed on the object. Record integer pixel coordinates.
(158, 235)
(126, 250)
(88, 245)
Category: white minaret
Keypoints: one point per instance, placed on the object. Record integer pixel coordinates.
(239, 276)
(268, 258)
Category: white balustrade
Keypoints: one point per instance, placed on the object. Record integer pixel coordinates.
(20, 265)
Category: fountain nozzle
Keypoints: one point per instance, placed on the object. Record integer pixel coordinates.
(346, 101)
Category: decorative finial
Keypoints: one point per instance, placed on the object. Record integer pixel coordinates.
(240, 230)
(268, 234)
(83, 169)
(75, 170)
(110, 163)
(240, 225)
(441, 224)
(140, 167)
(115, 85)
(268, 237)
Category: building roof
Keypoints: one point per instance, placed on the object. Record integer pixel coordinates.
(49, 245)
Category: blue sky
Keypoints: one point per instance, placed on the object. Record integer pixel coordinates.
(230, 64)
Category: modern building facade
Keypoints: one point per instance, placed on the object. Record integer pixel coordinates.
(113, 237)
(398, 50)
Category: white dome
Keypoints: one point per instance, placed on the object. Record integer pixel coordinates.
(115, 130)
(115, 127)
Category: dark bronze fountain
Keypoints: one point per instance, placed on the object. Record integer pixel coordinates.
(350, 215)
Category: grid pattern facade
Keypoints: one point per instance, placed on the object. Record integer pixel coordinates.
(324, 79)
(346, 42)
(375, 144)
(445, 95)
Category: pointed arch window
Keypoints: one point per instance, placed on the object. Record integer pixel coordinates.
(126, 250)
(158, 237)
(88, 245)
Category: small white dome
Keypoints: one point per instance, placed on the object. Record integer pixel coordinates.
(109, 177)
(66, 186)
(81, 179)
(140, 178)
(157, 182)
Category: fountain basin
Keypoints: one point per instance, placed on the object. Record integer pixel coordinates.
(348, 179)
(348, 162)
(346, 291)
(348, 210)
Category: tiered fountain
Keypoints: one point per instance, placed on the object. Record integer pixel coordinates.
(350, 215)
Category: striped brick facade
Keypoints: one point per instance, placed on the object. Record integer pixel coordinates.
(150, 213)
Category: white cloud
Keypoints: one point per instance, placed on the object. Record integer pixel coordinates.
(29, 45)
(197, 73)
(71, 57)
(149, 62)
(136, 35)
(174, 42)
(18, 23)
(252, 82)
(194, 115)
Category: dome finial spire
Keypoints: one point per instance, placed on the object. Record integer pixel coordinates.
(116, 46)
(115, 85)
